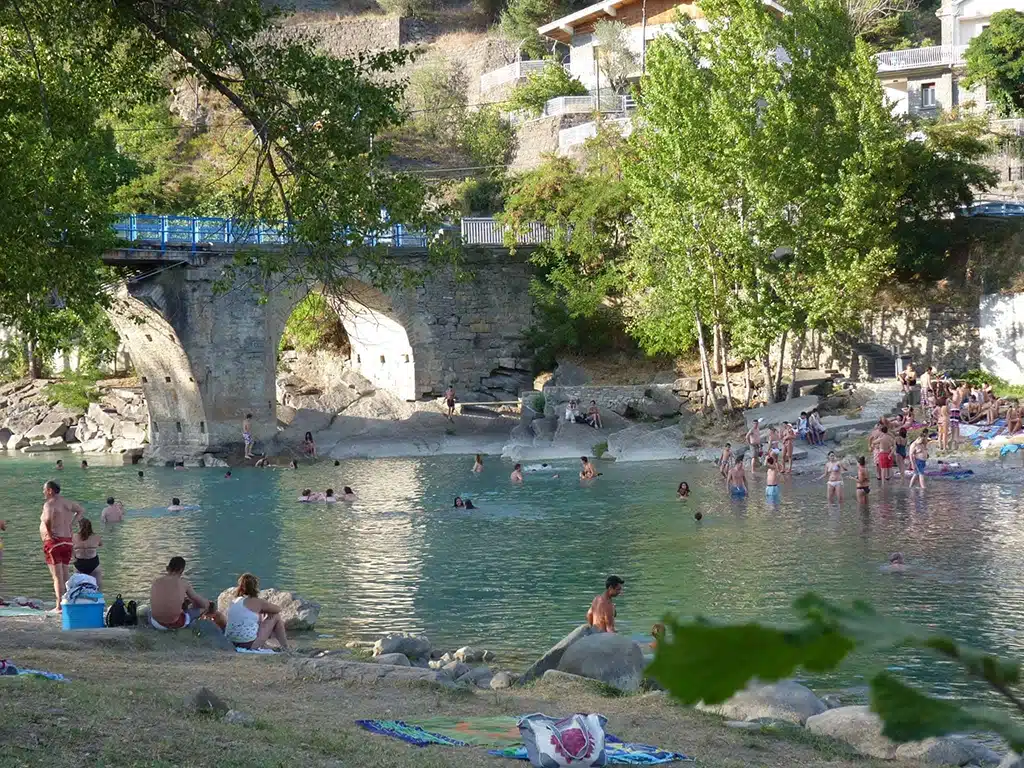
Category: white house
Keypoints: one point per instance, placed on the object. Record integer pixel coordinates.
(927, 80)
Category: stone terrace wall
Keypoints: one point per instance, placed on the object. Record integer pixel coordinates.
(346, 37)
(539, 137)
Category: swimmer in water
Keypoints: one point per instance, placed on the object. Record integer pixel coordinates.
(517, 474)
(141, 475)
(294, 464)
(683, 491)
(896, 563)
(698, 516)
(175, 505)
(347, 494)
(179, 465)
(60, 463)
(329, 496)
(459, 503)
(337, 463)
(470, 504)
(306, 493)
(113, 512)
(85, 464)
(737, 479)
(478, 465)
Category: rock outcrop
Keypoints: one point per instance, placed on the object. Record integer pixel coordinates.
(553, 656)
(787, 700)
(858, 726)
(298, 612)
(611, 658)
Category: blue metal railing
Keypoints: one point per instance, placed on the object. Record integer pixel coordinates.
(194, 231)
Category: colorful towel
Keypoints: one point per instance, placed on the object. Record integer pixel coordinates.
(1010, 448)
(618, 752)
(450, 731)
(7, 669)
(262, 651)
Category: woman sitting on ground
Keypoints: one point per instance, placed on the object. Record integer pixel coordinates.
(252, 621)
(309, 445)
(87, 559)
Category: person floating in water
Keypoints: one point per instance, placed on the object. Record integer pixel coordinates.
(834, 472)
(587, 471)
(247, 435)
(683, 490)
(85, 464)
(113, 512)
(737, 479)
(175, 505)
(863, 480)
(329, 496)
(601, 615)
(478, 465)
(771, 481)
(227, 475)
(517, 474)
(896, 563)
(347, 494)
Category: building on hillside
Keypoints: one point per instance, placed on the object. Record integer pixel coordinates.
(926, 81)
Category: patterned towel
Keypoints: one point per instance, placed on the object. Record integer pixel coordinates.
(450, 731)
(7, 669)
(618, 752)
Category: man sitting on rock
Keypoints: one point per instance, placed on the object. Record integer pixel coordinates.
(601, 615)
(169, 596)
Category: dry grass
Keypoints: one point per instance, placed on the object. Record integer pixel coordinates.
(125, 706)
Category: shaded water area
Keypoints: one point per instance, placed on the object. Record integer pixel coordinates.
(519, 572)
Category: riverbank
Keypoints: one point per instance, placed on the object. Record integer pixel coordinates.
(125, 704)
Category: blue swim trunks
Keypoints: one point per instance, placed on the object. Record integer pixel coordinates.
(737, 491)
(772, 493)
(920, 464)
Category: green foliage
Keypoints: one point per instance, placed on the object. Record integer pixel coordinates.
(519, 21)
(407, 8)
(488, 138)
(760, 181)
(600, 449)
(491, 9)
(995, 58)
(75, 391)
(437, 98)
(617, 59)
(538, 403)
(480, 196)
(555, 330)
(541, 86)
(978, 378)
(701, 661)
(314, 325)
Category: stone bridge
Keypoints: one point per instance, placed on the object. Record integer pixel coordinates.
(206, 358)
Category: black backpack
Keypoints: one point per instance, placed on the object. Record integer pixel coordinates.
(117, 614)
(132, 609)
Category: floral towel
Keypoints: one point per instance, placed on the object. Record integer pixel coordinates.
(450, 731)
(617, 751)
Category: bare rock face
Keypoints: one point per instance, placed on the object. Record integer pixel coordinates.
(858, 726)
(613, 659)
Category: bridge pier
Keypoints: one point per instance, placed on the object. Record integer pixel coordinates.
(207, 358)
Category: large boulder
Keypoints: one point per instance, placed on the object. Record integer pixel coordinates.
(330, 668)
(298, 613)
(469, 655)
(858, 726)
(5, 435)
(104, 420)
(46, 430)
(947, 750)
(502, 680)
(787, 701)
(567, 375)
(787, 410)
(617, 441)
(16, 441)
(554, 654)
(655, 445)
(96, 445)
(613, 659)
(209, 460)
(413, 646)
(395, 659)
(133, 432)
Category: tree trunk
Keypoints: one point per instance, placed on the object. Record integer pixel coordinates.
(724, 351)
(782, 358)
(769, 380)
(32, 360)
(705, 367)
(749, 389)
(794, 360)
(716, 350)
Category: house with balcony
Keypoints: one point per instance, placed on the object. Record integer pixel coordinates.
(926, 81)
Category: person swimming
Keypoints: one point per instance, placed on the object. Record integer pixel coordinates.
(329, 496)
(227, 475)
(698, 516)
(294, 464)
(459, 503)
(347, 494)
(175, 505)
(306, 493)
(683, 490)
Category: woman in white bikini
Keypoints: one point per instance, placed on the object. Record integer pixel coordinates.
(834, 472)
(252, 621)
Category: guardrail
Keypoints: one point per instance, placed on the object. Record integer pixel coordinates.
(919, 58)
(511, 73)
(163, 232)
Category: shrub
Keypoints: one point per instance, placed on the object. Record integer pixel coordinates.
(538, 403)
(314, 325)
(617, 59)
(487, 137)
(408, 8)
(519, 22)
(76, 390)
(547, 83)
(437, 97)
(480, 197)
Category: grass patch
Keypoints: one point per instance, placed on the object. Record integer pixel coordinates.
(76, 391)
(600, 449)
(538, 403)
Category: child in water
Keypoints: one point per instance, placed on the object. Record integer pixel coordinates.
(683, 491)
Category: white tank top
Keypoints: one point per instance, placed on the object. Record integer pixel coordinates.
(243, 624)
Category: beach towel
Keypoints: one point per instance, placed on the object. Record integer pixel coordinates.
(8, 669)
(262, 651)
(1011, 448)
(497, 731)
(503, 733)
(617, 751)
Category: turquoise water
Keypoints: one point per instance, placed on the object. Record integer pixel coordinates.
(519, 572)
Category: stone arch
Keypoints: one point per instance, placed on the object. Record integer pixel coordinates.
(388, 346)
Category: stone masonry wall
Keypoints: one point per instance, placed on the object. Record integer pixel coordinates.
(346, 37)
(539, 137)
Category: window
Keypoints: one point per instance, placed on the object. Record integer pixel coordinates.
(927, 95)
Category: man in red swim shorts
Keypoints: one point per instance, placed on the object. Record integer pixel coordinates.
(884, 445)
(55, 524)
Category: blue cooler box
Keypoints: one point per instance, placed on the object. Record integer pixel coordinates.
(83, 613)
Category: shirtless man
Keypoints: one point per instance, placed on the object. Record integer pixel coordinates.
(919, 458)
(175, 505)
(956, 399)
(926, 384)
(788, 437)
(55, 531)
(737, 479)
(247, 435)
(601, 615)
(167, 598)
(449, 401)
(587, 471)
(113, 512)
(885, 444)
(517, 474)
(754, 443)
(1013, 418)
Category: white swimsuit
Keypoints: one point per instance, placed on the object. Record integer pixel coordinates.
(243, 624)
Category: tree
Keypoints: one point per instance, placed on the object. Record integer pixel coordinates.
(541, 86)
(995, 59)
(767, 176)
(617, 60)
(519, 21)
(437, 98)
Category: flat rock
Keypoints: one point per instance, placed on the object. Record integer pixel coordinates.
(787, 410)
(785, 700)
(236, 717)
(366, 673)
(49, 428)
(502, 680)
(626, 437)
(412, 646)
(1012, 760)
(611, 658)
(209, 460)
(205, 700)
(396, 659)
(553, 655)
(947, 750)
(455, 669)
(656, 445)
(858, 726)
(568, 375)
